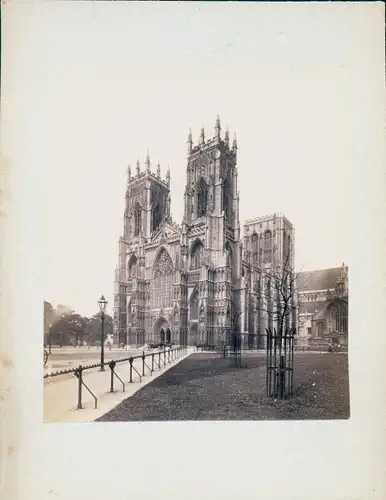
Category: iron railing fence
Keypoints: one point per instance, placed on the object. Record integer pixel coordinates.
(158, 360)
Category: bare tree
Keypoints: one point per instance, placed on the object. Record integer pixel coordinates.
(279, 292)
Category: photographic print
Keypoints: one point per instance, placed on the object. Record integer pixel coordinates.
(192, 250)
(199, 158)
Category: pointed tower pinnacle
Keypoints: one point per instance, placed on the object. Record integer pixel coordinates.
(190, 141)
(234, 146)
(218, 127)
(168, 176)
(158, 170)
(128, 173)
(147, 162)
(202, 136)
(137, 167)
(227, 137)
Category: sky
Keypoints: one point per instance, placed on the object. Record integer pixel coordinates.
(113, 81)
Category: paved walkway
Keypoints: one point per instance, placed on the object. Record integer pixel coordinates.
(61, 392)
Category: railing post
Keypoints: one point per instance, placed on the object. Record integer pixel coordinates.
(131, 369)
(159, 359)
(112, 366)
(164, 355)
(152, 362)
(78, 374)
(143, 363)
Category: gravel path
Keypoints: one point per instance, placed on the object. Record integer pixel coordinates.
(206, 387)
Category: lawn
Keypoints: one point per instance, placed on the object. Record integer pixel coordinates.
(206, 387)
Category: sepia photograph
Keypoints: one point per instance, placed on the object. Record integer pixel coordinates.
(193, 297)
(192, 250)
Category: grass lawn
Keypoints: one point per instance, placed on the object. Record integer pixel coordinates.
(206, 387)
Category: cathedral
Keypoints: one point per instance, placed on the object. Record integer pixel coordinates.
(200, 281)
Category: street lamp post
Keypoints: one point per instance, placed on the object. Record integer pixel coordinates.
(102, 307)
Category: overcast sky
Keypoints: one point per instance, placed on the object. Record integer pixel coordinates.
(293, 81)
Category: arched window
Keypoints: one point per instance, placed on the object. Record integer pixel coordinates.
(197, 255)
(287, 248)
(194, 306)
(129, 319)
(162, 283)
(202, 197)
(156, 217)
(226, 199)
(132, 267)
(338, 317)
(229, 254)
(255, 248)
(137, 220)
(267, 246)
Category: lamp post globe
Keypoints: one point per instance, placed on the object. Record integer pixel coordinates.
(102, 302)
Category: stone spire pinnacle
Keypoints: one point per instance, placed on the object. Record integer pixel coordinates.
(202, 136)
(227, 137)
(234, 146)
(168, 176)
(147, 162)
(158, 169)
(218, 127)
(128, 173)
(137, 167)
(190, 141)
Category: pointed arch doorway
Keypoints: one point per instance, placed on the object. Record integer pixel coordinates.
(162, 332)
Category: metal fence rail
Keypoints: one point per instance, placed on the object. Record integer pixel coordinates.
(169, 355)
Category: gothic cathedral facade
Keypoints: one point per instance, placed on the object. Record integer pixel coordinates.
(196, 282)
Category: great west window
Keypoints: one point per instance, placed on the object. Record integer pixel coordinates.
(163, 281)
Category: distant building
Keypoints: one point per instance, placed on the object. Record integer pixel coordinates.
(323, 307)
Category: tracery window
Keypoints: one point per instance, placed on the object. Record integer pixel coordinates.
(226, 199)
(197, 255)
(338, 317)
(129, 313)
(137, 220)
(287, 249)
(163, 281)
(267, 246)
(132, 267)
(229, 254)
(202, 197)
(194, 306)
(255, 248)
(156, 217)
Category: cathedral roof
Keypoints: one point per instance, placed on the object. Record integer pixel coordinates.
(321, 279)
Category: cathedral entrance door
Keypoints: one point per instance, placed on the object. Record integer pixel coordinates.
(161, 328)
(168, 336)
